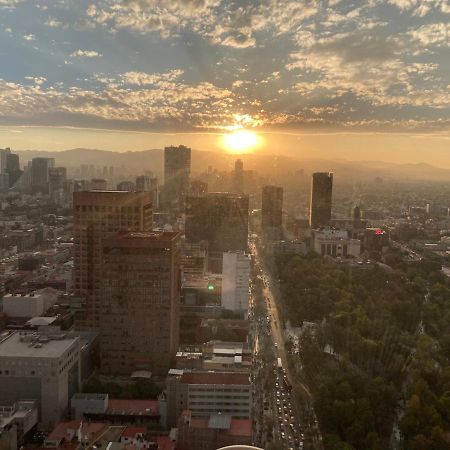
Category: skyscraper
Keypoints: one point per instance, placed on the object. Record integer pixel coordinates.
(39, 174)
(272, 211)
(238, 176)
(140, 302)
(143, 183)
(221, 219)
(13, 168)
(97, 216)
(4, 152)
(56, 179)
(321, 197)
(177, 171)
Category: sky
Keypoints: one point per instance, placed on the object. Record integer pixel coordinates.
(328, 78)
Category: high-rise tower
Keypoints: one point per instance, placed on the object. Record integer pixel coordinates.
(321, 197)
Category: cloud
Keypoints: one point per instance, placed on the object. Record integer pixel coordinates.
(146, 79)
(433, 34)
(85, 54)
(169, 101)
(53, 23)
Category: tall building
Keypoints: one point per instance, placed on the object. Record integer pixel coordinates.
(57, 176)
(13, 168)
(149, 184)
(177, 171)
(235, 281)
(221, 219)
(98, 184)
(140, 302)
(198, 188)
(4, 152)
(272, 212)
(4, 182)
(39, 174)
(321, 197)
(97, 216)
(126, 186)
(143, 183)
(238, 176)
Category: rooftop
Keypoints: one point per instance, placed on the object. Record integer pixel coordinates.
(132, 407)
(215, 378)
(141, 238)
(32, 345)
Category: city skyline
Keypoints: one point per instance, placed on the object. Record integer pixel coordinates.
(326, 79)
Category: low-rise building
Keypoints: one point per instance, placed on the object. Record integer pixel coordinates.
(335, 243)
(16, 421)
(42, 366)
(29, 305)
(210, 433)
(205, 393)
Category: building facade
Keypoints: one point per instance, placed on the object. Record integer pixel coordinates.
(335, 243)
(99, 215)
(206, 393)
(321, 199)
(140, 302)
(221, 219)
(40, 366)
(235, 281)
(272, 212)
(177, 172)
(39, 174)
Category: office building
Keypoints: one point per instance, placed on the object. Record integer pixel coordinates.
(149, 184)
(238, 176)
(177, 171)
(13, 168)
(321, 198)
(221, 219)
(4, 152)
(41, 366)
(206, 393)
(335, 243)
(57, 176)
(4, 182)
(235, 281)
(39, 174)
(140, 302)
(98, 184)
(272, 212)
(98, 215)
(126, 186)
(143, 183)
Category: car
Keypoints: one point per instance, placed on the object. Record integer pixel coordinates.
(283, 436)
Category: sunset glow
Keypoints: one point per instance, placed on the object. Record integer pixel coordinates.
(242, 141)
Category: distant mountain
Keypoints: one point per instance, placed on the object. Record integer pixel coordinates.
(275, 166)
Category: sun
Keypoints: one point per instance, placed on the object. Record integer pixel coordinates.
(241, 141)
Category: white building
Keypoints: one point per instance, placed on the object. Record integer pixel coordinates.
(29, 305)
(235, 281)
(42, 366)
(335, 243)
